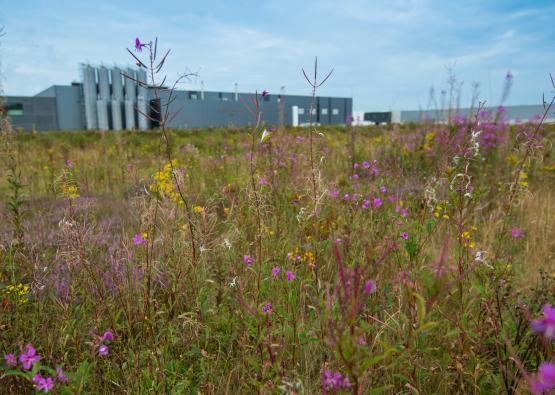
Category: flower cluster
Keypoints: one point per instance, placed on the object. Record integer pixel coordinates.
(18, 294)
(546, 324)
(298, 256)
(140, 239)
(334, 381)
(102, 348)
(164, 184)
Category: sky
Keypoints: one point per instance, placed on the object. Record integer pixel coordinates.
(385, 54)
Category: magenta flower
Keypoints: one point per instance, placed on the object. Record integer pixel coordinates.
(365, 204)
(334, 381)
(376, 203)
(263, 181)
(546, 325)
(289, 276)
(544, 382)
(369, 287)
(383, 189)
(355, 197)
(138, 45)
(60, 376)
(334, 193)
(29, 358)
(139, 240)
(264, 93)
(355, 176)
(248, 260)
(346, 197)
(10, 360)
(517, 233)
(366, 164)
(276, 271)
(404, 236)
(103, 350)
(356, 166)
(338, 241)
(267, 308)
(107, 336)
(69, 164)
(43, 384)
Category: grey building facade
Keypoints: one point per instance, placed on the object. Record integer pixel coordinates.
(106, 100)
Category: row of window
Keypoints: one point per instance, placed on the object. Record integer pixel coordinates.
(324, 111)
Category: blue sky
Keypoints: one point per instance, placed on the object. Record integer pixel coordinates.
(387, 54)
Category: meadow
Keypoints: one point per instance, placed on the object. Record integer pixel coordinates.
(400, 259)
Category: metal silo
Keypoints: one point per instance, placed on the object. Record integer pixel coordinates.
(89, 96)
(142, 101)
(117, 99)
(130, 100)
(103, 99)
(102, 110)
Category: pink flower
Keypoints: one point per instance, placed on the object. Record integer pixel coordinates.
(276, 271)
(69, 164)
(376, 203)
(29, 358)
(263, 181)
(355, 176)
(103, 350)
(138, 45)
(334, 193)
(355, 197)
(338, 241)
(60, 376)
(264, 93)
(517, 233)
(346, 197)
(139, 240)
(546, 325)
(289, 276)
(369, 287)
(383, 189)
(404, 236)
(107, 336)
(365, 204)
(10, 360)
(43, 384)
(366, 165)
(248, 260)
(267, 308)
(544, 382)
(356, 166)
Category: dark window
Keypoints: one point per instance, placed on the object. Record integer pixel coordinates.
(193, 95)
(15, 109)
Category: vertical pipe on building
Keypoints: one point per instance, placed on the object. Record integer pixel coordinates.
(236, 92)
(295, 114)
(103, 98)
(130, 100)
(142, 100)
(89, 96)
(201, 90)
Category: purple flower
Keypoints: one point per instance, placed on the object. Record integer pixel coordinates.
(338, 241)
(139, 240)
(248, 260)
(356, 166)
(376, 203)
(517, 233)
(355, 197)
(264, 93)
(69, 164)
(60, 376)
(276, 271)
(404, 236)
(546, 325)
(43, 384)
(383, 189)
(346, 197)
(334, 193)
(544, 382)
(334, 381)
(263, 181)
(138, 45)
(355, 176)
(369, 287)
(29, 358)
(366, 164)
(107, 336)
(365, 204)
(10, 360)
(289, 276)
(267, 308)
(103, 350)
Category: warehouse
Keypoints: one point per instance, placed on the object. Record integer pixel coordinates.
(105, 100)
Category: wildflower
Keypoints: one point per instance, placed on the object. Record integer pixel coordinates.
(355, 176)
(376, 203)
(138, 45)
(264, 93)
(43, 384)
(103, 350)
(356, 166)
(544, 382)
(289, 276)
(60, 376)
(346, 197)
(334, 381)
(365, 204)
(29, 358)
(383, 189)
(139, 240)
(517, 233)
(69, 164)
(276, 271)
(107, 336)
(334, 193)
(198, 210)
(369, 287)
(366, 164)
(263, 181)
(267, 308)
(546, 325)
(10, 360)
(404, 236)
(338, 241)
(355, 197)
(248, 260)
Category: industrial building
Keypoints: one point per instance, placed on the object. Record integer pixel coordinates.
(106, 100)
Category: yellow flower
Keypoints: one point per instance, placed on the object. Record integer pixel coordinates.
(198, 210)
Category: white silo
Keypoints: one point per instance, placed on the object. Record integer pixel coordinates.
(142, 100)
(130, 100)
(102, 110)
(89, 96)
(117, 99)
(103, 99)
